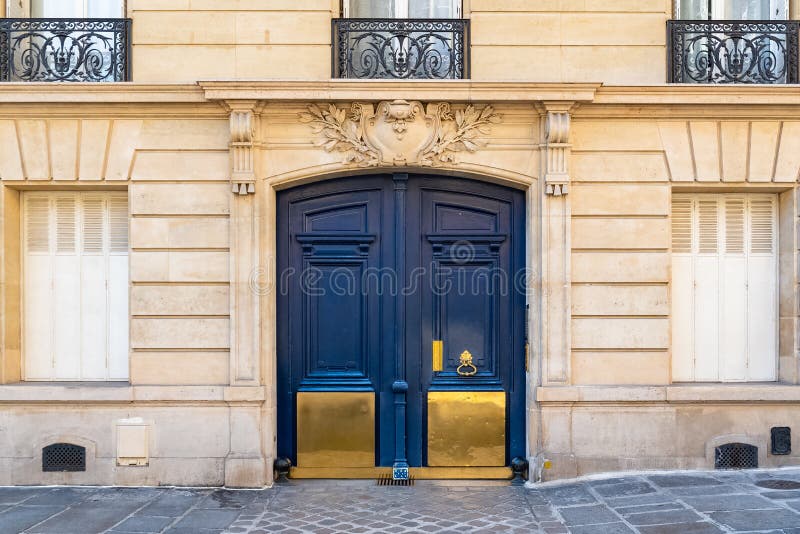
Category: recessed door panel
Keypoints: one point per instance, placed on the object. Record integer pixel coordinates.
(467, 323)
(465, 300)
(336, 347)
(461, 218)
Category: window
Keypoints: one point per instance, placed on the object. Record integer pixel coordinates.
(79, 9)
(407, 46)
(724, 287)
(94, 47)
(402, 9)
(75, 270)
(733, 9)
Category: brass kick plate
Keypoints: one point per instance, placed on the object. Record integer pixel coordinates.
(335, 429)
(466, 428)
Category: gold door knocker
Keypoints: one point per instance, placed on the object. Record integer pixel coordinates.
(468, 367)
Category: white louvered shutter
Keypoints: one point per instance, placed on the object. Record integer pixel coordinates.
(38, 286)
(67, 289)
(118, 287)
(724, 287)
(76, 286)
(94, 309)
(682, 290)
(762, 295)
(706, 290)
(733, 291)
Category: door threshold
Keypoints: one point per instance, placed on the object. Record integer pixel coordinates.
(417, 473)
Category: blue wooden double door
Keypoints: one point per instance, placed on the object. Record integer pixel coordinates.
(401, 323)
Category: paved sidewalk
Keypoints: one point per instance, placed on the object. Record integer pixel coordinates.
(692, 503)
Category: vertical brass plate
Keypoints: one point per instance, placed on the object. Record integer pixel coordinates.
(466, 428)
(437, 351)
(335, 429)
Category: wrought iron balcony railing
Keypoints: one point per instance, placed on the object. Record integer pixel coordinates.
(401, 48)
(65, 50)
(726, 51)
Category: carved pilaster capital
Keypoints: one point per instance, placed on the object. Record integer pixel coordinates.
(556, 121)
(243, 127)
(557, 127)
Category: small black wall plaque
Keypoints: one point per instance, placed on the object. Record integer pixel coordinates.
(781, 440)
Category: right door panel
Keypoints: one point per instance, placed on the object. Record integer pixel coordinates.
(467, 240)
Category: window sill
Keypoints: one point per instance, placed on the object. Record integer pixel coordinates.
(124, 392)
(766, 392)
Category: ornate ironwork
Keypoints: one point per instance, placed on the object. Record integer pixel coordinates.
(719, 51)
(65, 50)
(401, 48)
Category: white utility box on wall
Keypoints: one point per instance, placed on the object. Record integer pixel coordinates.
(133, 442)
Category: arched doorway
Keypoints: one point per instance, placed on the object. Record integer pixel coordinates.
(401, 314)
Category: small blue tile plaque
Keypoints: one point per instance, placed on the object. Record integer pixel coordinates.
(400, 473)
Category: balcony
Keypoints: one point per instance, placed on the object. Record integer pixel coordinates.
(722, 51)
(401, 48)
(65, 50)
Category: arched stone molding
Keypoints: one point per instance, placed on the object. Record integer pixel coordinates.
(331, 171)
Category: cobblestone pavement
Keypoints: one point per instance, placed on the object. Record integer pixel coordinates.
(692, 503)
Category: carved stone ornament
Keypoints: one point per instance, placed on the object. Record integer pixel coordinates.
(243, 177)
(557, 151)
(399, 132)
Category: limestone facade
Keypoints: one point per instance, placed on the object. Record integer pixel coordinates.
(213, 125)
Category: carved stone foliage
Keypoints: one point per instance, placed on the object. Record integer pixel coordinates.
(400, 132)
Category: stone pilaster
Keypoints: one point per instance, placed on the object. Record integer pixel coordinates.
(244, 245)
(245, 465)
(556, 247)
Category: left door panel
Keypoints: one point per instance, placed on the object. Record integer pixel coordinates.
(333, 328)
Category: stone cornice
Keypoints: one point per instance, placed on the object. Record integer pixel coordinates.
(592, 98)
(699, 95)
(375, 90)
(100, 93)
